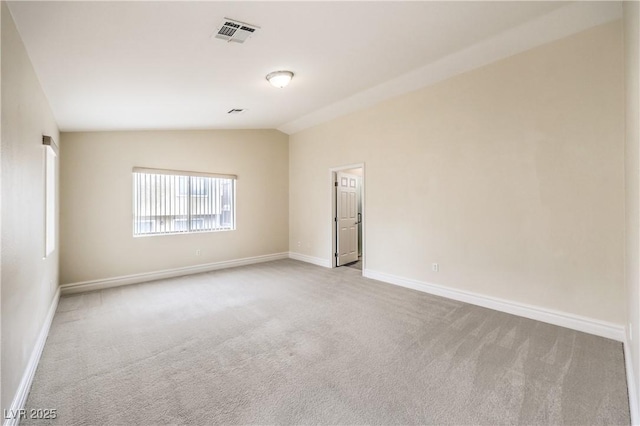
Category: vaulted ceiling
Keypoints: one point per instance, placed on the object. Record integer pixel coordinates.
(154, 65)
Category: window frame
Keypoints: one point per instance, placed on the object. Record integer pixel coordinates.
(189, 196)
(50, 195)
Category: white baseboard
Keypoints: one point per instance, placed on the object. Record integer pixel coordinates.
(101, 284)
(20, 398)
(631, 382)
(310, 259)
(562, 319)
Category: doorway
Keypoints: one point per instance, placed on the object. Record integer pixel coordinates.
(347, 216)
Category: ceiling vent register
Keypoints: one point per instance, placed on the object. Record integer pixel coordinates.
(235, 31)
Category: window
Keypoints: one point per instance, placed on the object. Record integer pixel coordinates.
(50, 195)
(174, 202)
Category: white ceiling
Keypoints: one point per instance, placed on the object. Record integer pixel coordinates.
(153, 65)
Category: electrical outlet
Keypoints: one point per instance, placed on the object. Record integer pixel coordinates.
(299, 244)
(198, 252)
(435, 267)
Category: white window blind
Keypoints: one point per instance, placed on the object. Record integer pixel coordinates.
(50, 202)
(51, 152)
(173, 202)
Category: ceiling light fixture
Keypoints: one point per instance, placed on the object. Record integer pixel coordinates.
(279, 78)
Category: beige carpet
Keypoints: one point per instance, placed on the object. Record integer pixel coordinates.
(290, 343)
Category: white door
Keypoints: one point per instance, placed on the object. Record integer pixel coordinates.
(347, 218)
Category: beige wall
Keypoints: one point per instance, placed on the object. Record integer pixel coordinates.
(632, 179)
(510, 176)
(28, 281)
(96, 199)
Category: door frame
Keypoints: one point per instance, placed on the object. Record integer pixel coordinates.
(332, 211)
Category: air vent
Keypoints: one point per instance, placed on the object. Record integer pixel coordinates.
(235, 31)
(236, 111)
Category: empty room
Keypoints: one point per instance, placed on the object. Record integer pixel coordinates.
(320, 212)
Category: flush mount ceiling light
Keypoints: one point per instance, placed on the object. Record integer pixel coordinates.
(279, 78)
